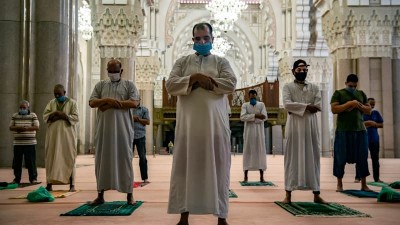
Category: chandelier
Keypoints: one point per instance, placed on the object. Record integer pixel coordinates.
(220, 45)
(225, 12)
(84, 21)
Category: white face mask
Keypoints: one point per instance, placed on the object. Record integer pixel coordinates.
(114, 76)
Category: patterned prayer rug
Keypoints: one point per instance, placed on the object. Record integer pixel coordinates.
(232, 194)
(117, 208)
(320, 210)
(378, 184)
(256, 183)
(361, 194)
(56, 194)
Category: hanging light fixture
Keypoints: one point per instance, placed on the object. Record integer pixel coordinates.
(220, 45)
(225, 12)
(84, 21)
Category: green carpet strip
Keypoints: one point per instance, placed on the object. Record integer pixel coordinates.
(378, 184)
(256, 183)
(9, 186)
(361, 194)
(388, 194)
(232, 194)
(320, 210)
(117, 208)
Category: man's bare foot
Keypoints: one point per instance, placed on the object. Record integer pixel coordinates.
(262, 180)
(49, 187)
(245, 179)
(339, 186)
(97, 201)
(72, 188)
(380, 181)
(184, 219)
(130, 200)
(318, 199)
(365, 188)
(357, 180)
(222, 221)
(288, 198)
(146, 181)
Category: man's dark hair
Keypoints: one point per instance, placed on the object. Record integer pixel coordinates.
(253, 92)
(115, 60)
(371, 99)
(201, 26)
(297, 63)
(352, 78)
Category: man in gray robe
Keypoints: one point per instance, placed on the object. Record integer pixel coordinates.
(201, 164)
(114, 133)
(302, 100)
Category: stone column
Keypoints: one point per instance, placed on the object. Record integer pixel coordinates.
(52, 58)
(10, 92)
(387, 90)
(325, 110)
(146, 72)
(396, 104)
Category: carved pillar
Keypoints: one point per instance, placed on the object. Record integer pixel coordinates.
(146, 72)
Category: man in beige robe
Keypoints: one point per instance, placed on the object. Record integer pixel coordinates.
(61, 116)
(201, 164)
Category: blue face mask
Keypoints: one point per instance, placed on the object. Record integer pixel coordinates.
(61, 98)
(203, 49)
(350, 89)
(23, 112)
(253, 101)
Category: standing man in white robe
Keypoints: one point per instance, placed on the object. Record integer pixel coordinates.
(114, 97)
(61, 116)
(302, 100)
(253, 115)
(202, 160)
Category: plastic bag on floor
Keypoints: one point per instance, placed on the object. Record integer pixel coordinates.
(40, 195)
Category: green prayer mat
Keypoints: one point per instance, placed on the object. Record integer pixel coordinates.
(256, 183)
(117, 208)
(361, 194)
(9, 186)
(395, 185)
(320, 210)
(388, 194)
(232, 194)
(377, 184)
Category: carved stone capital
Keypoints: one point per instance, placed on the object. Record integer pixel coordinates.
(147, 69)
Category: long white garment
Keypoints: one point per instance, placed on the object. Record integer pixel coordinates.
(201, 163)
(114, 138)
(302, 153)
(254, 153)
(61, 142)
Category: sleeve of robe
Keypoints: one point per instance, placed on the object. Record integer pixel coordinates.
(291, 106)
(264, 112)
(246, 117)
(177, 84)
(47, 112)
(72, 117)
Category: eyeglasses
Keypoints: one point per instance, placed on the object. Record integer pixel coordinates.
(205, 38)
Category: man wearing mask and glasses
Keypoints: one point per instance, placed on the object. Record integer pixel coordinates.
(61, 116)
(114, 97)
(302, 100)
(201, 165)
(351, 139)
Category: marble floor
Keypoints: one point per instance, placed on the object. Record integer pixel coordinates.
(254, 205)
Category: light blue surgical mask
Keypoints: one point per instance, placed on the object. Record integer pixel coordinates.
(203, 49)
(23, 112)
(351, 89)
(253, 101)
(61, 98)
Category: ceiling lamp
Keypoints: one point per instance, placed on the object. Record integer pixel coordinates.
(84, 21)
(225, 12)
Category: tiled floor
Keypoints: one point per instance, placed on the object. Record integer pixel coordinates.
(255, 205)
